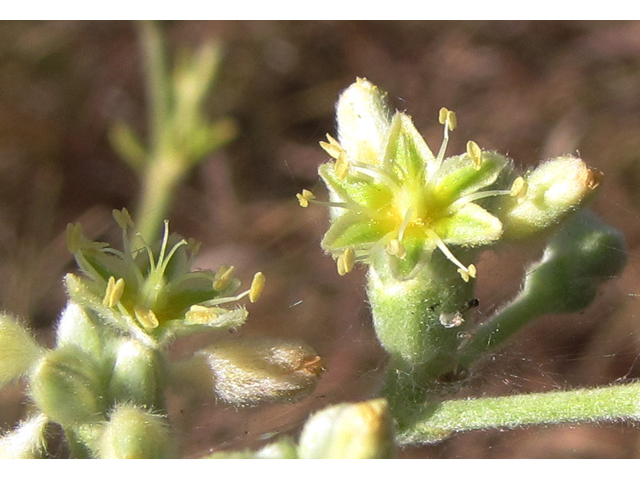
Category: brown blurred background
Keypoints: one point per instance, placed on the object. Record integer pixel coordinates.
(532, 90)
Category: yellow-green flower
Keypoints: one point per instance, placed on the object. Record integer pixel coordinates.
(151, 292)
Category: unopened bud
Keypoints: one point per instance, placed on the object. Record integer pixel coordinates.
(133, 432)
(363, 118)
(554, 189)
(135, 376)
(78, 327)
(249, 371)
(67, 386)
(350, 431)
(19, 351)
(26, 441)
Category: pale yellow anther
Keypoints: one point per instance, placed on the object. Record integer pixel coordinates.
(475, 152)
(518, 188)
(223, 277)
(332, 147)
(114, 292)
(346, 261)
(200, 315)
(468, 272)
(257, 286)
(146, 317)
(305, 197)
(447, 117)
(74, 237)
(122, 218)
(395, 248)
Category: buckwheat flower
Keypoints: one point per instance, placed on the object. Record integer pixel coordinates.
(150, 291)
(390, 193)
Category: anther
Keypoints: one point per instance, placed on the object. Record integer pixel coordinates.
(448, 118)
(114, 292)
(467, 272)
(475, 152)
(200, 315)
(257, 286)
(395, 248)
(305, 197)
(223, 277)
(146, 317)
(346, 261)
(519, 188)
(341, 167)
(122, 218)
(333, 148)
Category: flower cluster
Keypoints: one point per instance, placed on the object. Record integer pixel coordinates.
(105, 380)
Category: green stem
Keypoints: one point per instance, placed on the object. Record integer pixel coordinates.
(156, 76)
(164, 168)
(437, 421)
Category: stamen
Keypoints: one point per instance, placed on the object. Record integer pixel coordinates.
(475, 152)
(518, 189)
(257, 285)
(114, 292)
(465, 272)
(376, 175)
(447, 118)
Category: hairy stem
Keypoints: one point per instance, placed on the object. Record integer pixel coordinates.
(437, 421)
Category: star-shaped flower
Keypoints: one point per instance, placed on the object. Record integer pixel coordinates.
(389, 191)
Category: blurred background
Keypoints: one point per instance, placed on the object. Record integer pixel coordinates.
(531, 90)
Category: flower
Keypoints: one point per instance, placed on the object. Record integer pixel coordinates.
(391, 196)
(150, 292)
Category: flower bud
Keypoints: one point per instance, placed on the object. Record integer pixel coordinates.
(133, 432)
(67, 386)
(364, 120)
(553, 189)
(77, 328)
(249, 371)
(136, 375)
(19, 351)
(349, 431)
(26, 441)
